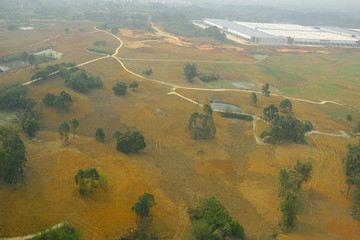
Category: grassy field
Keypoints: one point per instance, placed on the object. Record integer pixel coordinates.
(175, 168)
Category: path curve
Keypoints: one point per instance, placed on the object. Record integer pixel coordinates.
(31, 236)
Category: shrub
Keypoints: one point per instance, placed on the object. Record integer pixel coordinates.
(119, 88)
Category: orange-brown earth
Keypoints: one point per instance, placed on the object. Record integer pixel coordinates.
(174, 167)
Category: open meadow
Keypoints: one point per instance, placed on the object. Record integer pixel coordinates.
(177, 169)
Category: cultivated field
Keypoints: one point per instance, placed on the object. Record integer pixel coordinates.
(175, 168)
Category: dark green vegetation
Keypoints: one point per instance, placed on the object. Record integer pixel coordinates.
(253, 98)
(142, 210)
(99, 135)
(285, 105)
(81, 82)
(53, 69)
(13, 97)
(100, 50)
(271, 113)
(147, 72)
(133, 85)
(208, 77)
(65, 232)
(119, 88)
(202, 125)
(61, 102)
(29, 119)
(190, 72)
(352, 162)
(64, 131)
(83, 178)
(129, 142)
(348, 118)
(12, 156)
(265, 90)
(74, 125)
(290, 185)
(100, 43)
(212, 221)
(286, 129)
(236, 116)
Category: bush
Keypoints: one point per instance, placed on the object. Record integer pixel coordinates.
(100, 43)
(208, 77)
(99, 135)
(147, 72)
(100, 50)
(130, 142)
(119, 88)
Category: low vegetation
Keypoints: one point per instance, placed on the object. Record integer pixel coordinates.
(290, 185)
(65, 232)
(129, 142)
(100, 43)
(208, 77)
(202, 125)
(212, 221)
(12, 156)
(352, 163)
(147, 72)
(100, 50)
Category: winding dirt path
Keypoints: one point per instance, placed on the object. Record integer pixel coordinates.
(31, 236)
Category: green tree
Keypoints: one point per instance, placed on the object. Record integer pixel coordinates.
(130, 142)
(49, 99)
(304, 170)
(190, 72)
(271, 113)
(74, 124)
(83, 178)
(348, 118)
(99, 135)
(133, 85)
(119, 88)
(64, 130)
(253, 98)
(285, 105)
(12, 156)
(30, 126)
(265, 90)
(31, 60)
(67, 30)
(289, 207)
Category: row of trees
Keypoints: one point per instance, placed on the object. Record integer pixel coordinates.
(202, 125)
(120, 87)
(352, 163)
(212, 221)
(12, 156)
(61, 102)
(290, 185)
(52, 69)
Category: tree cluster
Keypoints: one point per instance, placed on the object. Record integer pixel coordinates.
(52, 69)
(352, 162)
(284, 128)
(202, 125)
(87, 180)
(12, 156)
(129, 142)
(212, 221)
(29, 118)
(290, 185)
(81, 82)
(13, 97)
(61, 102)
